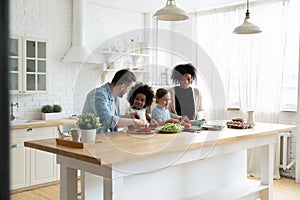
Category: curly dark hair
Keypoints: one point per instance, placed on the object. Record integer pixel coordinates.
(140, 88)
(182, 69)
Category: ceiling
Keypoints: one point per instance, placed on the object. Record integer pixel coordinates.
(153, 5)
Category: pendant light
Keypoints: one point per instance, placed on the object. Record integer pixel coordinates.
(170, 12)
(247, 27)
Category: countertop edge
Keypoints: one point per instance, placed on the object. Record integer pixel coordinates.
(46, 123)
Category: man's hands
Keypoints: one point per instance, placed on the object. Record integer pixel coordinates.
(142, 123)
(137, 120)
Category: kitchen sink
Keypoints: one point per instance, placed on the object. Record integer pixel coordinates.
(26, 121)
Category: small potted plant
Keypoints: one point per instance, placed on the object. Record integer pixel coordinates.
(88, 124)
(51, 112)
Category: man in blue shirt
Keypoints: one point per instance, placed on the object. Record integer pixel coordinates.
(105, 103)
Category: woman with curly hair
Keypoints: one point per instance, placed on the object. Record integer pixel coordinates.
(185, 100)
(140, 98)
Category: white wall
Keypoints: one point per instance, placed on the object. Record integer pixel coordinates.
(52, 20)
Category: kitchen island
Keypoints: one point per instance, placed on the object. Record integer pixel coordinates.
(204, 165)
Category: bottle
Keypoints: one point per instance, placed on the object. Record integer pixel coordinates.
(250, 118)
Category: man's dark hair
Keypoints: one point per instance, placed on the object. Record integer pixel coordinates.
(123, 76)
(182, 69)
(143, 89)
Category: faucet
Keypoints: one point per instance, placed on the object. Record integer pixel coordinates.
(12, 117)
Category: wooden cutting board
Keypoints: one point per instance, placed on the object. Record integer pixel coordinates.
(69, 143)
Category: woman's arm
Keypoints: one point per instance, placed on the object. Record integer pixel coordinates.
(199, 114)
(172, 107)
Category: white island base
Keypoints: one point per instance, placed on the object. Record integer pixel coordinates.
(210, 172)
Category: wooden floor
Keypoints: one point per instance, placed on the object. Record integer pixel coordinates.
(284, 189)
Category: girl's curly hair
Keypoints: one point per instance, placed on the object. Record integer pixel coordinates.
(182, 69)
(143, 89)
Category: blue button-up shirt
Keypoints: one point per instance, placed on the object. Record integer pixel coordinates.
(99, 101)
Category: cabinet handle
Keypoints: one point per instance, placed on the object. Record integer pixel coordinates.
(15, 146)
(29, 130)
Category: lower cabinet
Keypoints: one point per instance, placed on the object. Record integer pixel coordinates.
(30, 167)
(19, 165)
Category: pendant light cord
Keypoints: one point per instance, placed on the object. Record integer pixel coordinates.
(247, 5)
(247, 12)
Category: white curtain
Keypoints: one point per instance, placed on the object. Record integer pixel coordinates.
(251, 66)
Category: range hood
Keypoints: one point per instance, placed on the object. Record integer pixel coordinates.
(78, 52)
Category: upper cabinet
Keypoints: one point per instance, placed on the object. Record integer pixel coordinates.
(15, 63)
(28, 65)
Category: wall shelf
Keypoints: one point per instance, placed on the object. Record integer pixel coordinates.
(123, 53)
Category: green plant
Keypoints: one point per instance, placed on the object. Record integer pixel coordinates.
(56, 108)
(88, 121)
(51, 109)
(47, 109)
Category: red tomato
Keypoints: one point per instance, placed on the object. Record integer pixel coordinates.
(187, 125)
(148, 129)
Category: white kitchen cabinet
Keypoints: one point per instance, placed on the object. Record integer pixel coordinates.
(31, 167)
(15, 63)
(19, 164)
(28, 65)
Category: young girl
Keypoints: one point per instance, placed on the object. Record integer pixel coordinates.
(140, 98)
(160, 113)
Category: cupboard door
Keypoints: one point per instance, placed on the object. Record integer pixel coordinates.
(35, 65)
(19, 164)
(15, 64)
(43, 167)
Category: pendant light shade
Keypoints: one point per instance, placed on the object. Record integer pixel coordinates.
(247, 27)
(170, 12)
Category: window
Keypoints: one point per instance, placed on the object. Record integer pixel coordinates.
(258, 71)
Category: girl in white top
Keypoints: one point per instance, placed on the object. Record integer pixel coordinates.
(160, 113)
(140, 98)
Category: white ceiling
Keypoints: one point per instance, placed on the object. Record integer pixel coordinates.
(153, 5)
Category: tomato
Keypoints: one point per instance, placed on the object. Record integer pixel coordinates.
(187, 125)
(147, 129)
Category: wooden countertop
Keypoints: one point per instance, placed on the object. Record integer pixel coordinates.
(119, 146)
(45, 123)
